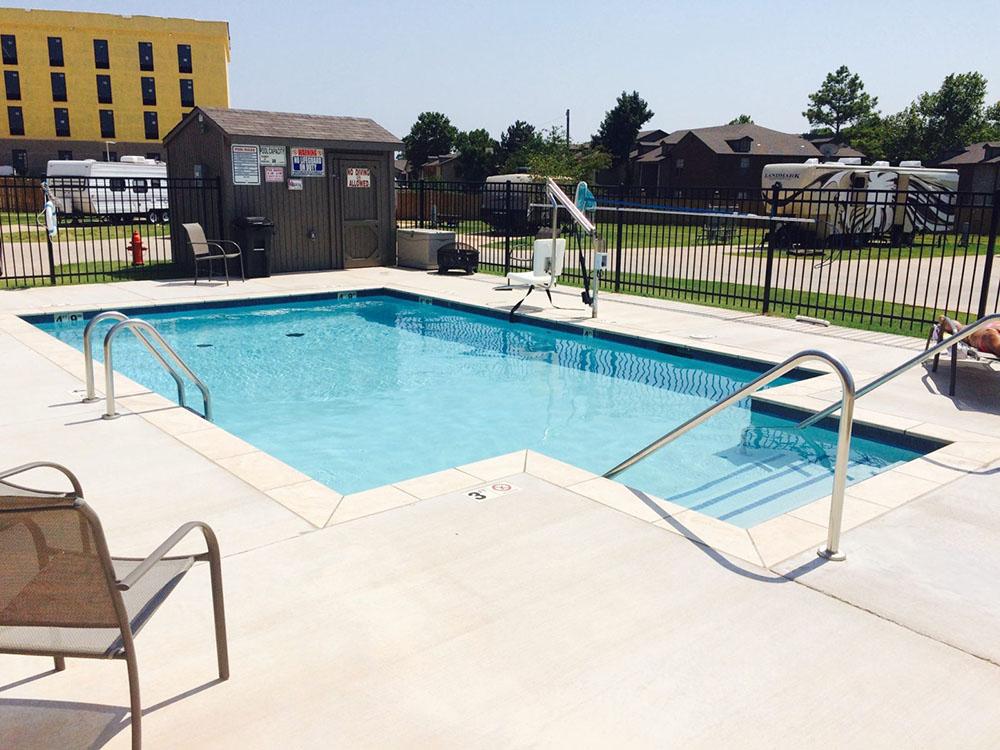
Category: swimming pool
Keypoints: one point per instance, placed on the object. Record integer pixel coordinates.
(363, 391)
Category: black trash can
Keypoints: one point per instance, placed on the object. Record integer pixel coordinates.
(254, 238)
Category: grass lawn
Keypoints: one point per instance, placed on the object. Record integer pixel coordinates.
(869, 315)
(28, 228)
(737, 239)
(97, 273)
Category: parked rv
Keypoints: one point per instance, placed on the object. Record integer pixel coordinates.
(526, 189)
(860, 203)
(127, 190)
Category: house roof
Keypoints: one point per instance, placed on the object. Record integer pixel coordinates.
(974, 153)
(249, 122)
(764, 141)
(651, 135)
(722, 140)
(440, 160)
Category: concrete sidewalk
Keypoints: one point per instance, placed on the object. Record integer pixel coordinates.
(566, 611)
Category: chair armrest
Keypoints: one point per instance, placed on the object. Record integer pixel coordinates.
(44, 465)
(224, 242)
(160, 552)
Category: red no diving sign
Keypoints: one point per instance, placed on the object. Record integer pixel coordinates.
(492, 490)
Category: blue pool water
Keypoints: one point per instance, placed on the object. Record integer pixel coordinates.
(362, 392)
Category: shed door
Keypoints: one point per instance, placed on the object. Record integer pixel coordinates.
(358, 185)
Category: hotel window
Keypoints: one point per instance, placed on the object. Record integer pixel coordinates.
(61, 116)
(184, 58)
(187, 92)
(12, 83)
(15, 120)
(58, 86)
(104, 89)
(148, 92)
(152, 126)
(8, 42)
(19, 160)
(55, 51)
(102, 58)
(107, 123)
(65, 155)
(145, 55)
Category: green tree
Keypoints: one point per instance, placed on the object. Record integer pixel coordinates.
(902, 135)
(620, 128)
(741, 120)
(517, 142)
(552, 157)
(840, 102)
(477, 155)
(955, 114)
(431, 135)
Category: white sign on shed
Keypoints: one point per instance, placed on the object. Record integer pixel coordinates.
(273, 156)
(359, 177)
(246, 165)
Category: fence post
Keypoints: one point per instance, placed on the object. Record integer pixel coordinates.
(991, 247)
(619, 217)
(769, 268)
(420, 204)
(506, 225)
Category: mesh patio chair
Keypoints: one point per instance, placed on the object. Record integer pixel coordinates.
(62, 594)
(208, 250)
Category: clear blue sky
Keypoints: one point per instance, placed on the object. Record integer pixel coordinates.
(486, 64)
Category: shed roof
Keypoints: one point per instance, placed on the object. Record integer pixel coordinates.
(249, 122)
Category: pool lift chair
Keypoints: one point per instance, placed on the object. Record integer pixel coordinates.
(549, 253)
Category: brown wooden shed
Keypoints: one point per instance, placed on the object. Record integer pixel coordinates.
(325, 182)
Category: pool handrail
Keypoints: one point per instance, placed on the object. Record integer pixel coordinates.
(148, 329)
(933, 351)
(88, 356)
(832, 550)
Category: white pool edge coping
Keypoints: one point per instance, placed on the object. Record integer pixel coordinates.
(766, 544)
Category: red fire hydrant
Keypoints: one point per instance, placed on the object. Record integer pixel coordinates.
(136, 247)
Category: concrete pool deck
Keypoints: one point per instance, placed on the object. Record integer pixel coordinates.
(568, 610)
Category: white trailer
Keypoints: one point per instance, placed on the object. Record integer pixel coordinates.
(860, 203)
(126, 190)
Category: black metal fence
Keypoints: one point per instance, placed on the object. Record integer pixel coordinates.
(889, 260)
(97, 218)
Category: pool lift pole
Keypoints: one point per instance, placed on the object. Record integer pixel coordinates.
(590, 287)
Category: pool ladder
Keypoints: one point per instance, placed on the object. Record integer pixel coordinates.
(832, 550)
(169, 360)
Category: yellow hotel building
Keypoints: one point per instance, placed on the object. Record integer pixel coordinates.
(96, 86)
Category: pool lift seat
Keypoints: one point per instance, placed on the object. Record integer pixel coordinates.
(546, 268)
(548, 254)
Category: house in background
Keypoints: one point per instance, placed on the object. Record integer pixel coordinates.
(727, 156)
(443, 167)
(978, 166)
(832, 149)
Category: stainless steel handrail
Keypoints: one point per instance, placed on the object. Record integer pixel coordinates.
(832, 549)
(109, 370)
(88, 356)
(912, 362)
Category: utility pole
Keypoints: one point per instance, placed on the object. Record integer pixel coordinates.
(567, 127)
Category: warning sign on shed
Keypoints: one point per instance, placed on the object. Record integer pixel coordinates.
(359, 177)
(308, 162)
(246, 165)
